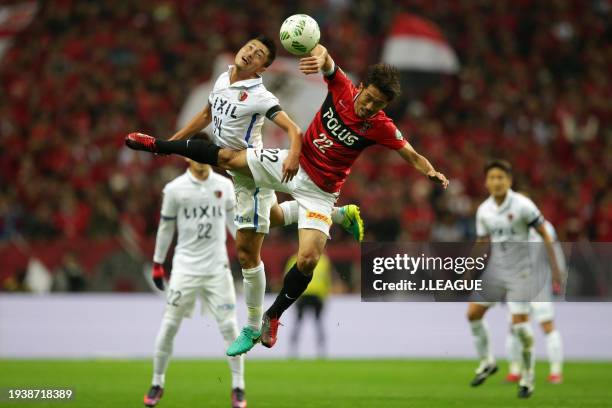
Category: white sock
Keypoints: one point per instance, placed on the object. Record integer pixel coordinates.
(229, 331)
(513, 351)
(336, 216)
(290, 211)
(554, 349)
(254, 290)
(163, 349)
(524, 334)
(481, 341)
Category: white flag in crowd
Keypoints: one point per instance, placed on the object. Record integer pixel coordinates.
(13, 19)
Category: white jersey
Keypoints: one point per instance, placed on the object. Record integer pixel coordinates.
(507, 225)
(199, 208)
(238, 111)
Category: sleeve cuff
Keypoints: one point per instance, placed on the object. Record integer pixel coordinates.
(331, 73)
(273, 111)
(537, 221)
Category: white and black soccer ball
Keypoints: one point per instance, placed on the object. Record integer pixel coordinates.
(299, 34)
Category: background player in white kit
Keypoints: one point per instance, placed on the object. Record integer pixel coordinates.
(505, 218)
(542, 311)
(200, 205)
(237, 107)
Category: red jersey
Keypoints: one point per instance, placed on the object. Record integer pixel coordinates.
(337, 136)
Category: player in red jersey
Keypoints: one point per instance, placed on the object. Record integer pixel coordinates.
(350, 119)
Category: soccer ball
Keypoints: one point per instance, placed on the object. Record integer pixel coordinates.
(299, 34)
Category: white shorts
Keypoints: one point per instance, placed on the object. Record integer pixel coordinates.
(513, 307)
(253, 204)
(515, 287)
(216, 293)
(542, 311)
(315, 205)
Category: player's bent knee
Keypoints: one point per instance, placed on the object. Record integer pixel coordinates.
(475, 312)
(225, 158)
(233, 160)
(520, 318)
(247, 257)
(548, 326)
(307, 262)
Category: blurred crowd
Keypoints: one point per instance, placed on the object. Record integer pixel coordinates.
(534, 87)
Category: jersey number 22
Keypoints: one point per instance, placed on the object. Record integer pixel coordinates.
(323, 142)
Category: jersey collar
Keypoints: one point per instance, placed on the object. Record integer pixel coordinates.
(505, 203)
(196, 181)
(245, 83)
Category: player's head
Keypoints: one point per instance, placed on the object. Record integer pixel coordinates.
(498, 174)
(200, 170)
(256, 55)
(380, 88)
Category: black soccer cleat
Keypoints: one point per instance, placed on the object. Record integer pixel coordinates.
(238, 398)
(525, 391)
(153, 396)
(483, 374)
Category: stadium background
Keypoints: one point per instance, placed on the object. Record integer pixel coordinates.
(78, 211)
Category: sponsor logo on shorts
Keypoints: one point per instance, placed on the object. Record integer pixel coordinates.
(318, 216)
(240, 219)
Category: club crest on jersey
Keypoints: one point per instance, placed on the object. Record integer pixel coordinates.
(242, 96)
(218, 193)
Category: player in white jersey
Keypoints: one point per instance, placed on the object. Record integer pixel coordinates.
(542, 311)
(236, 108)
(199, 205)
(504, 220)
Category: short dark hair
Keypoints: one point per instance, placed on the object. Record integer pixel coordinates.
(501, 164)
(270, 45)
(385, 77)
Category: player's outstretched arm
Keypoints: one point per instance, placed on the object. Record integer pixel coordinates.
(554, 266)
(319, 60)
(196, 124)
(422, 164)
(291, 164)
(165, 233)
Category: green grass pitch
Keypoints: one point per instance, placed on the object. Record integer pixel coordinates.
(305, 383)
